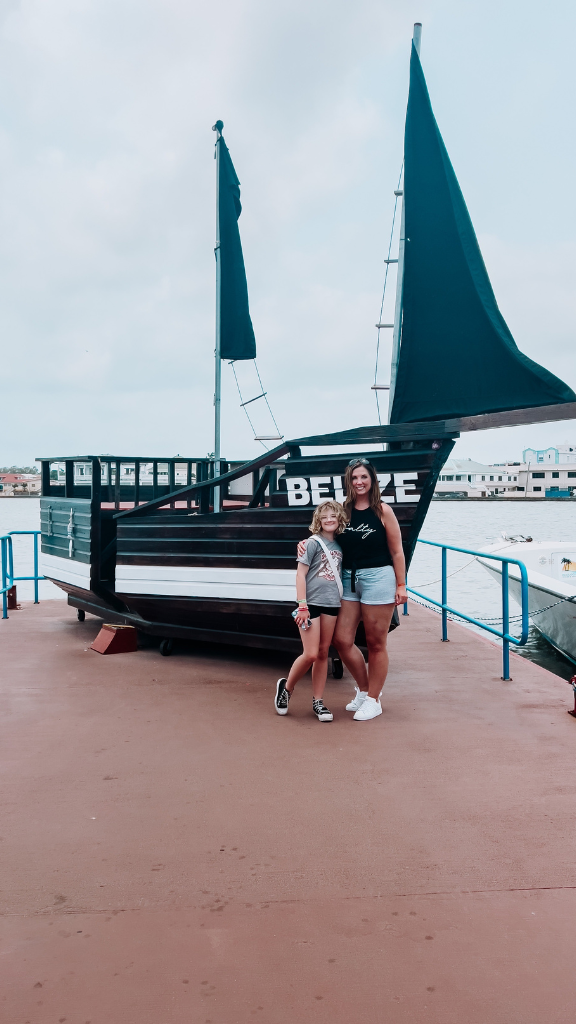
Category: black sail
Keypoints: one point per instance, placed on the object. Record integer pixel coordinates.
(457, 355)
(237, 339)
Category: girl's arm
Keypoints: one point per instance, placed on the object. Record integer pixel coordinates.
(301, 574)
(394, 538)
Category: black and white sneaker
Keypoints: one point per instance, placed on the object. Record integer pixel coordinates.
(322, 713)
(282, 698)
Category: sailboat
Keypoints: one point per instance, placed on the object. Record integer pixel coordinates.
(213, 559)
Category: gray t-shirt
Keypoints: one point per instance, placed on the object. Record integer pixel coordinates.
(321, 587)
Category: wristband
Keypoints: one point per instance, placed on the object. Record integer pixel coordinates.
(303, 604)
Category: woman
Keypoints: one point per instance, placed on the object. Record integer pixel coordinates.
(374, 581)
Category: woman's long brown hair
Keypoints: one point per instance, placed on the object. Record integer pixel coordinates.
(375, 498)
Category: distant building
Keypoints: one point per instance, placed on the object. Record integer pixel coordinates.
(465, 478)
(551, 483)
(19, 485)
(563, 453)
(477, 480)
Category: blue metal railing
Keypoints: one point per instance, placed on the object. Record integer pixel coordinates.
(504, 633)
(8, 577)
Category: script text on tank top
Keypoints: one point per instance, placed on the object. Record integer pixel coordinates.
(363, 529)
(312, 490)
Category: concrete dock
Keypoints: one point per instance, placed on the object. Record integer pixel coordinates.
(173, 852)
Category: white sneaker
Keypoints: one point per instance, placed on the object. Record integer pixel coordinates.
(370, 708)
(358, 700)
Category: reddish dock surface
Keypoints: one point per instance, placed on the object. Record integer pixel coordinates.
(175, 853)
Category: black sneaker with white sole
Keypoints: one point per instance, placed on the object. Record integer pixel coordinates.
(282, 698)
(322, 713)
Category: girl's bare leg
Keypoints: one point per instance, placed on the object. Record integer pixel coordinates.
(346, 625)
(320, 666)
(310, 641)
(376, 618)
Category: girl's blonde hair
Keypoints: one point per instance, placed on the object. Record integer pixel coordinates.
(331, 506)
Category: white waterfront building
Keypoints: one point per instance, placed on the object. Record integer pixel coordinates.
(561, 454)
(533, 479)
(477, 480)
(550, 481)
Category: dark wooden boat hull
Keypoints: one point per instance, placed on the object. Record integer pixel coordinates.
(226, 577)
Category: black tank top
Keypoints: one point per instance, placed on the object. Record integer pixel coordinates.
(363, 542)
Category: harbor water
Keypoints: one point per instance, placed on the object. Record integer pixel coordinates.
(468, 524)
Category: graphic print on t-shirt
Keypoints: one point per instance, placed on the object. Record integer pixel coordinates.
(325, 570)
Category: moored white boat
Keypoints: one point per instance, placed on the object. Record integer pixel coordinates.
(551, 568)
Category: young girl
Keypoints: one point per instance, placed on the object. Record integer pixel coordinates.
(318, 594)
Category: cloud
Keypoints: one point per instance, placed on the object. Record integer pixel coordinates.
(107, 212)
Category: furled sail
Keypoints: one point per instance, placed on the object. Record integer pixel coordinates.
(457, 355)
(237, 339)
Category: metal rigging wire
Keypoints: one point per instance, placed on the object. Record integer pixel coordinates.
(243, 404)
(267, 402)
(384, 291)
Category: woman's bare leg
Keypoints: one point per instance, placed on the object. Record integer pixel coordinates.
(320, 666)
(310, 641)
(376, 618)
(346, 625)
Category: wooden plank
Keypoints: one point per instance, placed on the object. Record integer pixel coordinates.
(95, 522)
(435, 429)
(205, 501)
(122, 458)
(260, 489)
(209, 561)
(514, 417)
(69, 480)
(212, 606)
(204, 545)
(51, 546)
(446, 427)
(136, 482)
(45, 476)
(117, 483)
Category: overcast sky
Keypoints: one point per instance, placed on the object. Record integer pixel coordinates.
(107, 205)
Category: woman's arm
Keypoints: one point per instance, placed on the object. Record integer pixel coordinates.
(301, 574)
(394, 538)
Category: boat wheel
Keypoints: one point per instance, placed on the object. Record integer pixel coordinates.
(337, 668)
(166, 647)
(80, 615)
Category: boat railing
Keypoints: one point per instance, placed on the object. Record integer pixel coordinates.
(402, 435)
(503, 634)
(8, 577)
(120, 479)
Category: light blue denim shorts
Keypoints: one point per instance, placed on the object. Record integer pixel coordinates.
(373, 586)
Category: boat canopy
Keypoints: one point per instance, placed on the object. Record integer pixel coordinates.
(457, 355)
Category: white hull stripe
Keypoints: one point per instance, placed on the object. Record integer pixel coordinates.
(194, 581)
(67, 570)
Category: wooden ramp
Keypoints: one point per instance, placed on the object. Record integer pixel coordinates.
(175, 852)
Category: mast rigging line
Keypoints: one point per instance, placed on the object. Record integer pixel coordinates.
(243, 404)
(388, 261)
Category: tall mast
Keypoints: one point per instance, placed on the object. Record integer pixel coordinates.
(218, 364)
(416, 39)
